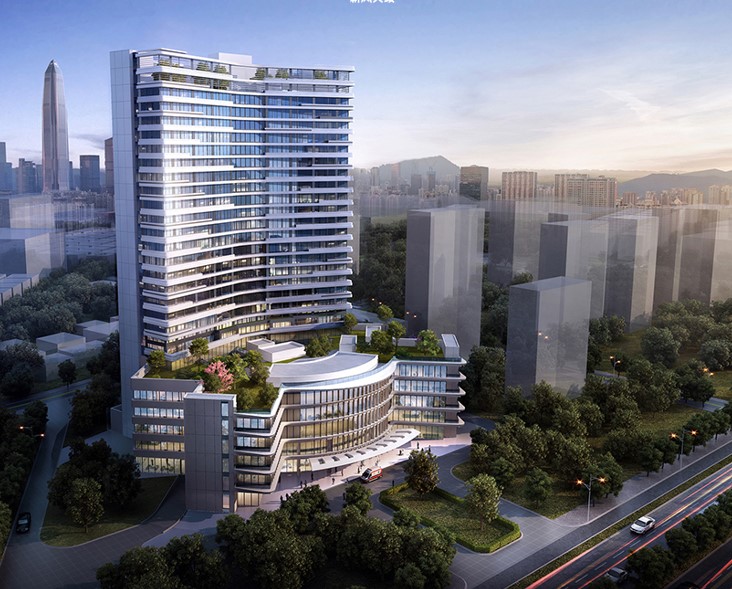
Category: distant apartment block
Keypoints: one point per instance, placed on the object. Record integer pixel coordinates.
(548, 325)
(583, 190)
(474, 182)
(445, 272)
(631, 268)
(518, 185)
(577, 249)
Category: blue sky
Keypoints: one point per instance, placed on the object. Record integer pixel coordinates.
(641, 84)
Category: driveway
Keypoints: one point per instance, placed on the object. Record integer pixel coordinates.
(31, 564)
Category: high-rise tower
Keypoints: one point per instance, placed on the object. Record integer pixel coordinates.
(232, 198)
(55, 132)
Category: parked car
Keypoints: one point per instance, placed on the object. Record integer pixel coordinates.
(643, 525)
(617, 575)
(371, 474)
(22, 526)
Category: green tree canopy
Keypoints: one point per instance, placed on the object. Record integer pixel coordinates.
(483, 498)
(421, 469)
(198, 348)
(67, 372)
(427, 343)
(85, 502)
(659, 345)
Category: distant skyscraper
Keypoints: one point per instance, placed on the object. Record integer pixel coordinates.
(431, 181)
(518, 186)
(89, 178)
(474, 182)
(6, 170)
(416, 184)
(55, 132)
(109, 165)
(27, 177)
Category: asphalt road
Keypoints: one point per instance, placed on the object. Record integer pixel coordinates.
(613, 552)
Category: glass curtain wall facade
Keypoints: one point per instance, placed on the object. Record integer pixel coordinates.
(233, 200)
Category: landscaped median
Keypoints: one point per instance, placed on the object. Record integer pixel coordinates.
(440, 509)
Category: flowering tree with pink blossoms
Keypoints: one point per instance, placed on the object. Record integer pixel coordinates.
(217, 378)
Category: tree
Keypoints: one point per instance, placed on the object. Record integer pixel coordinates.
(608, 468)
(258, 371)
(409, 577)
(659, 345)
(382, 342)
(349, 322)
(406, 518)
(156, 361)
(121, 481)
(483, 498)
(427, 343)
(145, 568)
(267, 550)
(198, 348)
(358, 496)
(702, 530)
(303, 506)
(484, 378)
(85, 502)
(193, 566)
(6, 522)
(681, 543)
(537, 486)
(396, 330)
(693, 381)
(421, 469)
(668, 448)
(653, 566)
(616, 327)
(650, 459)
(35, 415)
(318, 346)
(217, 378)
(18, 382)
(67, 372)
(267, 395)
(384, 313)
(502, 471)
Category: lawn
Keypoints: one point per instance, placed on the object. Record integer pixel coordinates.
(561, 500)
(58, 530)
(439, 509)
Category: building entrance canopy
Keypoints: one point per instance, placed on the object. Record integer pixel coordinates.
(391, 440)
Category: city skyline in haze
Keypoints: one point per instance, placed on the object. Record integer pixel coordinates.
(530, 85)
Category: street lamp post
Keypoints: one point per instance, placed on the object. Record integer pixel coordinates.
(587, 486)
(674, 436)
(29, 429)
(615, 363)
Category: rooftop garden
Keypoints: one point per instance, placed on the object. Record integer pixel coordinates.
(383, 343)
(241, 373)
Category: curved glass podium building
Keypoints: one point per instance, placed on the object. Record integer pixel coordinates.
(331, 412)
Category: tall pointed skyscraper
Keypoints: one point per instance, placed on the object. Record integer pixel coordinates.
(55, 132)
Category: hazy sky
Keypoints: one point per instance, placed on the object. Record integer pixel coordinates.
(639, 84)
